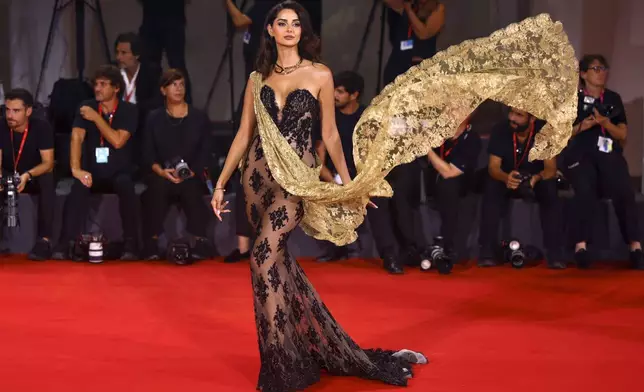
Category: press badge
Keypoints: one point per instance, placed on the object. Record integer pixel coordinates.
(407, 44)
(247, 37)
(102, 153)
(605, 144)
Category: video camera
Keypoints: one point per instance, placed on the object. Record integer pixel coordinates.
(10, 185)
(180, 167)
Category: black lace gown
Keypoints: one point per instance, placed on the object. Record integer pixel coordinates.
(298, 337)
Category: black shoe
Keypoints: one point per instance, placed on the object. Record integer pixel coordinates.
(130, 250)
(41, 250)
(237, 256)
(487, 262)
(62, 251)
(151, 250)
(334, 254)
(553, 260)
(392, 265)
(203, 249)
(637, 261)
(582, 258)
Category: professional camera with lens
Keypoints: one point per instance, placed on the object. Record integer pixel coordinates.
(513, 253)
(91, 247)
(589, 104)
(179, 252)
(10, 194)
(180, 167)
(524, 189)
(435, 256)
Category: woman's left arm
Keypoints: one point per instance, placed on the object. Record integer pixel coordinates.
(431, 26)
(330, 135)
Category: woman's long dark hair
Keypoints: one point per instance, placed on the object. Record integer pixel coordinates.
(308, 47)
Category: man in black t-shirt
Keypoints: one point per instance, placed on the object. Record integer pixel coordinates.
(509, 147)
(449, 177)
(27, 148)
(101, 138)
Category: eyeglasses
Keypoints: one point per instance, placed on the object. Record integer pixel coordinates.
(598, 68)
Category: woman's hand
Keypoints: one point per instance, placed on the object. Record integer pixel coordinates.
(218, 203)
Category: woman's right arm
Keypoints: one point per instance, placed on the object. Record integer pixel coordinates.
(242, 139)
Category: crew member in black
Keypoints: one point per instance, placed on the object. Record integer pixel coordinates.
(101, 137)
(27, 148)
(348, 89)
(414, 27)
(594, 160)
(449, 178)
(164, 29)
(178, 132)
(509, 147)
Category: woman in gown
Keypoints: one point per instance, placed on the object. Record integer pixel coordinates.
(289, 95)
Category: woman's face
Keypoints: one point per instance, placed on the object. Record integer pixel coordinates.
(286, 29)
(596, 75)
(175, 92)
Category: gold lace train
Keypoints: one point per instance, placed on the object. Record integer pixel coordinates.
(529, 65)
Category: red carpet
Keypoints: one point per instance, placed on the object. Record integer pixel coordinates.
(157, 327)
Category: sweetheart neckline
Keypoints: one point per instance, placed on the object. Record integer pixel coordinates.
(279, 110)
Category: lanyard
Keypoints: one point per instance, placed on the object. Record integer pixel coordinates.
(601, 100)
(129, 96)
(445, 154)
(409, 31)
(100, 112)
(16, 159)
(526, 148)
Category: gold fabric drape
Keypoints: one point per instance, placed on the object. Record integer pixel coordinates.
(529, 65)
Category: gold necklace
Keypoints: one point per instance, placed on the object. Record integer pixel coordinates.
(287, 70)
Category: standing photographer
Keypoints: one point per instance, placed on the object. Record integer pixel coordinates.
(176, 149)
(449, 177)
(101, 161)
(27, 153)
(595, 156)
(513, 175)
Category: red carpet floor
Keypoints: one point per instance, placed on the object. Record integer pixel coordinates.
(155, 327)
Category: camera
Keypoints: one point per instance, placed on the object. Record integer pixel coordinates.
(90, 247)
(589, 104)
(513, 253)
(436, 256)
(524, 190)
(179, 253)
(181, 169)
(10, 192)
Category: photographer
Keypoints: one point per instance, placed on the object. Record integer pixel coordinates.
(101, 138)
(176, 149)
(414, 26)
(595, 156)
(27, 152)
(513, 175)
(449, 177)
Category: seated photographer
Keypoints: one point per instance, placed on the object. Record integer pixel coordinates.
(27, 155)
(513, 175)
(176, 149)
(449, 177)
(101, 137)
(594, 159)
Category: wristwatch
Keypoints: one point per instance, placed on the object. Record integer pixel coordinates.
(30, 176)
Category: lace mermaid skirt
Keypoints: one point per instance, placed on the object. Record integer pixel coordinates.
(298, 337)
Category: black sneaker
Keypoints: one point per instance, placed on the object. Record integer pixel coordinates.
(553, 260)
(637, 260)
(236, 256)
(582, 258)
(202, 250)
(62, 251)
(130, 250)
(41, 250)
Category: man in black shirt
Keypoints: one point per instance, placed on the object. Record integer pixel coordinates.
(101, 137)
(27, 148)
(594, 159)
(509, 147)
(449, 177)
(178, 132)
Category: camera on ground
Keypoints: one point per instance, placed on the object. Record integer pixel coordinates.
(436, 257)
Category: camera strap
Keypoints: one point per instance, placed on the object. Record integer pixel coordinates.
(445, 154)
(109, 120)
(601, 100)
(525, 149)
(16, 158)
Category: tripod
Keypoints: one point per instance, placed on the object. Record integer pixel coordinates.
(79, 8)
(365, 36)
(227, 55)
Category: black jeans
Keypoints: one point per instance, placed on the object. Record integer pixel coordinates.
(595, 172)
(77, 206)
(393, 222)
(447, 194)
(160, 36)
(45, 187)
(161, 193)
(495, 200)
